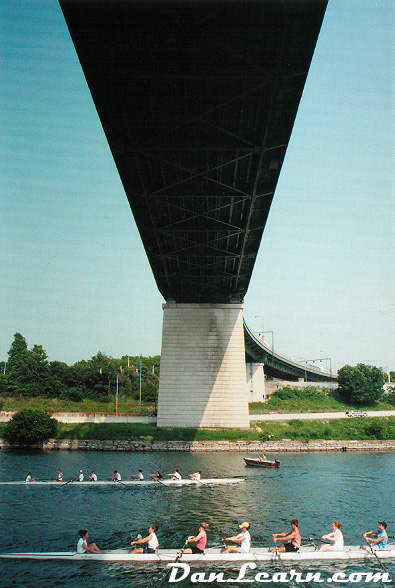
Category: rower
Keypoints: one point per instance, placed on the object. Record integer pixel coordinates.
(80, 477)
(139, 476)
(381, 538)
(156, 476)
(150, 543)
(82, 545)
(291, 539)
(200, 539)
(196, 476)
(116, 477)
(59, 476)
(29, 477)
(244, 538)
(176, 476)
(336, 537)
(92, 477)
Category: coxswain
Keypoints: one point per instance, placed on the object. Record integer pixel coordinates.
(82, 545)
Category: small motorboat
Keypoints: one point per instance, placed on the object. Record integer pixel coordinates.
(262, 463)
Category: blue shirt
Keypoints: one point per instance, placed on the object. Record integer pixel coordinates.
(383, 543)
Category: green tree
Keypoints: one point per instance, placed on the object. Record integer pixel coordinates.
(17, 365)
(16, 369)
(17, 355)
(150, 387)
(38, 373)
(58, 374)
(28, 427)
(361, 384)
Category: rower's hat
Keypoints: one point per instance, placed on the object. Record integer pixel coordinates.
(383, 523)
(244, 526)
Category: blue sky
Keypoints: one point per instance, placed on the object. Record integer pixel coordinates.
(74, 276)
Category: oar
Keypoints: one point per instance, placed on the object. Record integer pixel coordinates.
(379, 560)
(278, 555)
(69, 482)
(179, 554)
(281, 561)
(138, 537)
(119, 482)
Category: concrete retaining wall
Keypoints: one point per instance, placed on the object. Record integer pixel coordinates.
(286, 445)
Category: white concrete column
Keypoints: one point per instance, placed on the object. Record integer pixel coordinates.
(256, 382)
(202, 369)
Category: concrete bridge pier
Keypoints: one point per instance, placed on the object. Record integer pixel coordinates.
(202, 371)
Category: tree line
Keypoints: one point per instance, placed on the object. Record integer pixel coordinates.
(28, 373)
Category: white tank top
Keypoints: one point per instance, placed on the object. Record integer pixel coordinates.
(246, 542)
(153, 543)
(338, 540)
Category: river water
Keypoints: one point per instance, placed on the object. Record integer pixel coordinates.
(356, 488)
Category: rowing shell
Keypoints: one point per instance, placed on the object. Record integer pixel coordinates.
(207, 481)
(213, 554)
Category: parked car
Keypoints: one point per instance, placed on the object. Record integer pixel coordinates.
(356, 413)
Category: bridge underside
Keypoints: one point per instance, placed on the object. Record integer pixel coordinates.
(197, 100)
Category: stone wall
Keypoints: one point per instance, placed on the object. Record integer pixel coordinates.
(285, 445)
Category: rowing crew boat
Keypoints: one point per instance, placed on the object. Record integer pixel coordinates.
(213, 554)
(204, 482)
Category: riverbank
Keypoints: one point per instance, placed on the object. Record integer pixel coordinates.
(285, 445)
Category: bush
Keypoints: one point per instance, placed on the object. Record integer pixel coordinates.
(362, 384)
(73, 394)
(390, 398)
(377, 429)
(28, 427)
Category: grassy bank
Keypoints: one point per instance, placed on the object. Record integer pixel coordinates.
(337, 429)
(311, 399)
(285, 400)
(125, 405)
